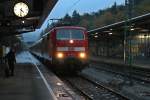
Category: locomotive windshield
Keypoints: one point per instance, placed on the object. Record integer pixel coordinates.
(67, 34)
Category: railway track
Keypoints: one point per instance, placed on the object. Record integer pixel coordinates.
(92, 90)
(137, 75)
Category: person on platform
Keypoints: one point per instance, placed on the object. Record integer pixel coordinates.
(11, 60)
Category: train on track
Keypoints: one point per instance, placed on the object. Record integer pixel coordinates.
(64, 47)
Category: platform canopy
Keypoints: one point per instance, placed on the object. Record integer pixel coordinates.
(138, 24)
(10, 24)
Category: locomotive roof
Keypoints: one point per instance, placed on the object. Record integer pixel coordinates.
(72, 27)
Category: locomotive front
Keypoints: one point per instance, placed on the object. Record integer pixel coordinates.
(71, 46)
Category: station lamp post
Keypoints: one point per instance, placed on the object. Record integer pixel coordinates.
(127, 33)
(125, 30)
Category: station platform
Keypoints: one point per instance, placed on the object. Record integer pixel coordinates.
(26, 83)
(32, 81)
(142, 64)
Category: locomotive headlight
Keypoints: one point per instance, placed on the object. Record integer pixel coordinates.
(82, 55)
(60, 55)
(71, 41)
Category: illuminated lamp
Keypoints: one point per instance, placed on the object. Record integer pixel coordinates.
(82, 55)
(71, 41)
(60, 55)
(110, 33)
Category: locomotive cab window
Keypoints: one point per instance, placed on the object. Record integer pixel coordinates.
(67, 34)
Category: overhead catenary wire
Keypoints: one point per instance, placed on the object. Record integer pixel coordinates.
(74, 4)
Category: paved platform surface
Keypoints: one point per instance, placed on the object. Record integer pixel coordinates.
(33, 81)
(144, 63)
(26, 84)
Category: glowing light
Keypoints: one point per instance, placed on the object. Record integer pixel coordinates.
(23, 21)
(82, 55)
(132, 29)
(60, 55)
(71, 41)
(142, 36)
(59, 84)
(110, 33)
(96, 36)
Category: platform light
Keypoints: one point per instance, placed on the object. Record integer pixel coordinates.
(132, 29)
(60, 55)
(59, 84)
(96, 36)
(82, 55)
(148, 36)
(110, 33)
(143, 36)
(23, 22)
(96, 33)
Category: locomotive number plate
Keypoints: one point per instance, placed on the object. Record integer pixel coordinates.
(71, 48)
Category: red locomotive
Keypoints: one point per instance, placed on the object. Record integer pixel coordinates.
(65, 45)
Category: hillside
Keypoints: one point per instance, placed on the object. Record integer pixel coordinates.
(107, 16)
